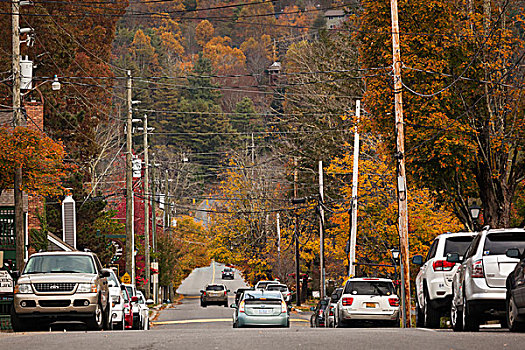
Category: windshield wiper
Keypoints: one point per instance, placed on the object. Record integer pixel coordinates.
(64, 271)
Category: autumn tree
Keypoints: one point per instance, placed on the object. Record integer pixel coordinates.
(463, 108)
(204, 32)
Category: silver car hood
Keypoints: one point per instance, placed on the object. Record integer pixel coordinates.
(58, 277)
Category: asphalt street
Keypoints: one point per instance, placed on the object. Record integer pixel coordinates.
(189, 326)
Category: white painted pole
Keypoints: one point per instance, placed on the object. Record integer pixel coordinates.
(353, 238)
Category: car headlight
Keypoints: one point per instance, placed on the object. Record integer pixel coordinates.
(23, 288)
(87, 288)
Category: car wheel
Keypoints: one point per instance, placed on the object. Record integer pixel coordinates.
(420, 318)
(514, 320)
(432, 316)
(470, 323)
(203, 304)
(96, 321)
(456, 316)
(16, 323)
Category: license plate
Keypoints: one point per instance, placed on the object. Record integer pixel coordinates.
(265, 311)
(370, 305)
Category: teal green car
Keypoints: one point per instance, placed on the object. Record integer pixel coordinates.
(261, 308)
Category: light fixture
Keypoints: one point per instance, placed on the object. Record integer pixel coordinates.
(55, 86)
(474, 211)
(395, 254)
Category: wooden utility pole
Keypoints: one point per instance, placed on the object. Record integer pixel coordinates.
(130, 248)
(321, 233)
(355, 183)
(401, 180)
(147, 197)
(296, 238)
(17, 120)
(154, 227)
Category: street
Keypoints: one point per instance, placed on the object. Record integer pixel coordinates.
(189, 326)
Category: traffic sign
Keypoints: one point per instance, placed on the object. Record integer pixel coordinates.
(126, 278)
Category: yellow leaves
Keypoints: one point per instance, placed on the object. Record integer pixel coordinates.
(204, 32)
(224, 58)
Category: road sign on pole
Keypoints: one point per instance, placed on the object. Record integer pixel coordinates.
(126, 278)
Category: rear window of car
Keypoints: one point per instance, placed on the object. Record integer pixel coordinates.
(278, 288)
(227, 269)
(214, 287)
(498, 243)
(457, 244)
(369, 288)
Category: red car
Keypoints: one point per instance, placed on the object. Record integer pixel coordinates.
(128, 310)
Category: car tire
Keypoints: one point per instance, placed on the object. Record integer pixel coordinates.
(17, 324)
(420, 318)
(203, 304)
(470, 322)
(393, 324)
(432, 316)
(515, 322)
(96, 321)
(107, 324)
(456, 316)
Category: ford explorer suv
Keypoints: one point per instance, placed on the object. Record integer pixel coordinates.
(479, 285)
(61, 286)
(434, 280)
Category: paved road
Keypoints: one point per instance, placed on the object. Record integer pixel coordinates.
(188, 326)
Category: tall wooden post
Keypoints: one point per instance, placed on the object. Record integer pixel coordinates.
(147, 198)
(401, 180)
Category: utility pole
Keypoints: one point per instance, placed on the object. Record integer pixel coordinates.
(355, 183)
(154, 227)
(296, 238)
(147, 197)
(130, 247)
(278, 217)
(17, 120)
(321, 232)
(401, 180)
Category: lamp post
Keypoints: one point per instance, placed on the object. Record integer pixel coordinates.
(474, 211)
(395, 259)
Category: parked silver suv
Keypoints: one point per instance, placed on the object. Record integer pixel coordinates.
(478, 286)
(61, 286)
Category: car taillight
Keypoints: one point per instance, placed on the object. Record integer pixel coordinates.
(321, 312)
(477, 269)
(393, 301)
(443, 265)
(331, 313)
(225, 293)
(284, 308)
(241, 306)
(203, 293)
(347, 301)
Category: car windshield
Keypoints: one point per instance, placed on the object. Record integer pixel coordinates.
(457, 245)
(60, 264)
(216, 288)
(498, 243)
(369, 288)
(280, 288)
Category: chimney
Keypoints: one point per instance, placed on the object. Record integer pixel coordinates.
(69, 221)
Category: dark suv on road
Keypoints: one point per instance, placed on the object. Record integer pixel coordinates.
(227, 273)
(61, 286)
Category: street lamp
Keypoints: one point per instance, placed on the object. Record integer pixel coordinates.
(474, 211)
(395, 258)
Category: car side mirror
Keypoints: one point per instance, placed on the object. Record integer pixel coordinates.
(15, 275)
(227, 291)
(122, 287)
(417, 260)
(149, 302)
(233, 306)
(202, 291)
(513, 253)
(134, 299)
(105, 273)
(312, 308)
(453, 258)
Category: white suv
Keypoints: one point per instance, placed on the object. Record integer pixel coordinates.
(368, 299)
(479, 283)
(434, 280)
